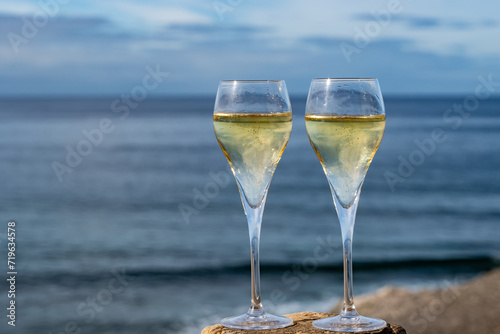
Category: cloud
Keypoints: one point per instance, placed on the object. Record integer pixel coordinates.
(106, 50)
(430, 22)
(62, 40)
(421, 21)
(18, 7)
(206, 34)
(59, 28)
(159, 14)
(215, 29)
(323, 41)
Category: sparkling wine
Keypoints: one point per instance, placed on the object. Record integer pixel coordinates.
(345, 145)
(253, 145)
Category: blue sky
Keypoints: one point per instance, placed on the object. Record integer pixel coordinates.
(103, 47)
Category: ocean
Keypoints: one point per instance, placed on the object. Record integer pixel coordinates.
(128, 221)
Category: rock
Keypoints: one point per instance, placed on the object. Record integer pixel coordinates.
(301, 325)
(471, 308)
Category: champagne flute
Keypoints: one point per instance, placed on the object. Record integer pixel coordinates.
(345, 122)
(252, 123)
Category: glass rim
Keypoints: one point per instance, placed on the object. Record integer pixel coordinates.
(252, 81)
(345, 79)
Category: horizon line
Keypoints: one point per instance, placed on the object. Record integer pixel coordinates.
(206, 96)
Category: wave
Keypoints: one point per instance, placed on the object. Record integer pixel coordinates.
(452, 265)
(481, 262)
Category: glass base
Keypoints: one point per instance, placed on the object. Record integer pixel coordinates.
(256, 320)
(349, 324)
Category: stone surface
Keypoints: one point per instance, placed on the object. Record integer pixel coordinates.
(471, 308)
(301, 325)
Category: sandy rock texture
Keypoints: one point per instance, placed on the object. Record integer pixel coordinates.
(301, 325)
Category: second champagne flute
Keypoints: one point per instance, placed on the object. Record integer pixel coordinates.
(252, 123)
(345, 122)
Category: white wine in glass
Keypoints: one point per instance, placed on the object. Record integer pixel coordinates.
(253, 145)
(345, 146)
(252, 123)
(345, 122)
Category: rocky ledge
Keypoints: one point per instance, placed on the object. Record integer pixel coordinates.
(301, 325)
(469, 308)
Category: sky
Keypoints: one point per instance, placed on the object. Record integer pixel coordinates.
(72, 47)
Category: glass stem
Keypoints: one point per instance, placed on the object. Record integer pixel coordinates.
(347, 217)
(254, 219)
